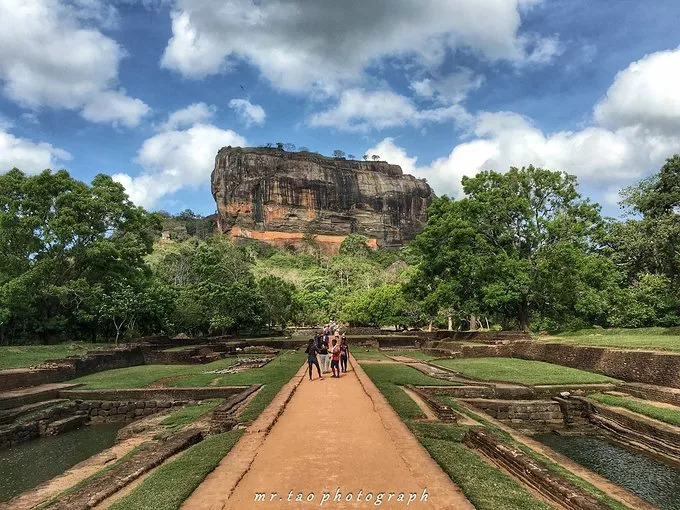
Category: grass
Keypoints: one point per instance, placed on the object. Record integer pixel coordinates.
(170, 484)
(521, 371)
(189, 414)
(273, 376)
(20, 356)
(390, 378)
(142, 376)
(664, 414)
(666, 339)
(180, 348)
(411, 353)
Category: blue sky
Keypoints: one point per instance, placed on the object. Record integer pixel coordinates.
(149, 90)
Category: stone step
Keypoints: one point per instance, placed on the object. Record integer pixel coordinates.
(65, 424)
(23, 396)
(9, 415)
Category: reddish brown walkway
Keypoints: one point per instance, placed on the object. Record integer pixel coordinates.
(334, 434)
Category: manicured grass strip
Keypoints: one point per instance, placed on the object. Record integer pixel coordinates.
(665, 339)
(143, 375)
(173, 482)
(189, 414)
(411, 353)
(273, 376)
(486, 487)
(390, 378)
(19, 356)
(521, 371)
(665, 414)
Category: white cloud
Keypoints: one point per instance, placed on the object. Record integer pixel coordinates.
(645, 93)
(196, 113)
(299, 45)
(389, 151)
(250, 113)
(176, 159)
(637, 126)
(452, 88)
(115, 107)
(361, 110)
(28, 156)
(49, 58)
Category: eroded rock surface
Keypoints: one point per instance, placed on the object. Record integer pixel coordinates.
(278, 196)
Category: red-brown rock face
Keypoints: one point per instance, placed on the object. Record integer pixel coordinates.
(278, 197)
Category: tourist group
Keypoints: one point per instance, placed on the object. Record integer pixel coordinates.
(329, 346)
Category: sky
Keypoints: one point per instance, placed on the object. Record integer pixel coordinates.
(149, 90)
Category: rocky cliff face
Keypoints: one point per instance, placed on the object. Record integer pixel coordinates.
(278, 197)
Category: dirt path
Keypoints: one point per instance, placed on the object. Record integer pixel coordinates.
(333, 434)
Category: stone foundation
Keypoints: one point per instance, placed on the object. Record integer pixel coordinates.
(532, 473)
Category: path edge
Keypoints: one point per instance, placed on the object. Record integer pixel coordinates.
(213, 494)
(410, 449)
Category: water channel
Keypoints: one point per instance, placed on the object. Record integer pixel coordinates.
(645, 476)
(28, 464)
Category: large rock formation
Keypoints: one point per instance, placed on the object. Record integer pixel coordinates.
(278, 196)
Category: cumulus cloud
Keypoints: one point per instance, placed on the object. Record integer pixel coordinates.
(248, 112)
(196, 113)
(636, 126)
(299, 45)
(50, 58)
(645, 93)
(391, 152)
(361, 110)
(28, 156)
(451, 88)
(176, 159)
(116, 108)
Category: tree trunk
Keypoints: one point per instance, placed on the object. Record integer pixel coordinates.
(523, 316)
(450, 323)
(429, 327)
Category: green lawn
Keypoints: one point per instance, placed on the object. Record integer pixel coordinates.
(411, 353)
(521, 371)
(665, 414)
(487, 487)
(19, 356)
(189, 414)
(667, 339)
(174, 481)
(142, 376)
(374, 354)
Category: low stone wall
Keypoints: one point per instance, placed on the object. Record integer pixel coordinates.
(515, 392)
(199, 393)
(532, 473)
(38, 425)
(106, 411)
(533, 413)
(650, 392)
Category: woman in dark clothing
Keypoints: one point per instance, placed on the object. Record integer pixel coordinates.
(311, 359)
(344, 354)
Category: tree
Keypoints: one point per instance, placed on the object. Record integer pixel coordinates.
(355, 246)
(65, 245)
(280, 302)
(337, 153)
(375, 157)
(365, 156)
(290, 147)
(492, 252)
(351, 156)
(303, 149)
(279, 145)
(380, 306)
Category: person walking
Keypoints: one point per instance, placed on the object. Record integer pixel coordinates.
(344, 354)
(311, 359)
(323, 355)
(335, 362)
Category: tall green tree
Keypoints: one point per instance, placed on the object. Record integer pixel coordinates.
(493, 251)
(63, 245)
